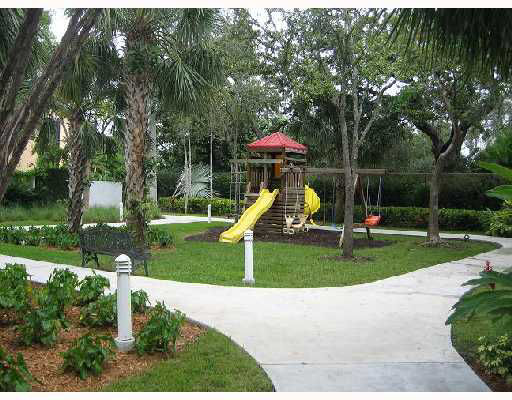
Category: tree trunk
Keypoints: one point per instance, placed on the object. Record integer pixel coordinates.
(433, 219)
(340, 198)
(77, 168)
(152, 154)
(137, 95)
(348, 220)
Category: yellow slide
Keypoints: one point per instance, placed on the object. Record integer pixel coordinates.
(249, 217)
(311, 202)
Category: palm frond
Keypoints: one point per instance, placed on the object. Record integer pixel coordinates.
(479, 38)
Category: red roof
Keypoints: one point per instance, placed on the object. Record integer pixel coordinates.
(277, 141)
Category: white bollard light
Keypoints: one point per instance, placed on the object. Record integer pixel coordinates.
(124, 340)
(249, 274)
(209, 213)
(121, 210)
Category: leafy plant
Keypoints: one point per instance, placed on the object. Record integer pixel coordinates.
(503, 192)
(14, 287)
(500, 223)
(102, 312)
(88, 354)
(41, 325)
(60, 291)
(496, 357)
(14, 374)
(495, 303)
(162, 328)
(140, 301)
(91, 288)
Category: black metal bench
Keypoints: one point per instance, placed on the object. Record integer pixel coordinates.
(108, 241)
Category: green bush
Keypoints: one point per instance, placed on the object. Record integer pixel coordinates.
(14, 374)
(496, 357)
(140, 301)
(162, 328)
(41, 325)
(196, 205)
(91, 288)
(415, 217)
(60, 291)
(59, 236)
(14, 288)
(500, 223)
(88, 354)
(102, 312)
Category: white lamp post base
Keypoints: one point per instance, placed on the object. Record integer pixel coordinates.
(124, 345)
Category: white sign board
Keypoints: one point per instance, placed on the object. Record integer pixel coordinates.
(105, 194)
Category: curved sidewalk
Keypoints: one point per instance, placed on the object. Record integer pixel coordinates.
(387, 335)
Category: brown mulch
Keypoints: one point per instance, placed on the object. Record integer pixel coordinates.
(314, 237)
(45, 363)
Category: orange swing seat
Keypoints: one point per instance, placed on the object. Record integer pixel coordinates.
(372, 220)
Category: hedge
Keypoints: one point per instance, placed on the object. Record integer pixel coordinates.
(404, 217)
(417, 217)
(196, 205)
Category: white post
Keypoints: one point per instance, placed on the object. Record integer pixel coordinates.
(124, 340)
(121, 212)
(249, 276)
(209, 213)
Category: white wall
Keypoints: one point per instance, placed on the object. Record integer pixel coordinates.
(105, 194)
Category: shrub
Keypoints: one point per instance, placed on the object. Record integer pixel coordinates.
(496, 357)
(91, 288)
(60, 291)
(196, 205)
(500, 223)
(41, 325)
(88, 354)
(415, 217)
(58, 236)
(495, 303)
(160, 237)
(162, 328)
(140, 301)
(14, 374)
(14, 288)
(102, 312)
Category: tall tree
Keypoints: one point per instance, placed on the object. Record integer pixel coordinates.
(19, 117)
(339, 56)
(88, 81)
(445, 104)
(166, 57)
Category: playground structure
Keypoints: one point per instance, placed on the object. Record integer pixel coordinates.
(277, 200)
(276, 197)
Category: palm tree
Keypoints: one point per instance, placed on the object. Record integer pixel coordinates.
(479, 38)
(21, 110)
(87, 82)
(167, 57)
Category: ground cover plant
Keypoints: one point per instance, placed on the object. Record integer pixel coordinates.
(275, 264)
(59, 236)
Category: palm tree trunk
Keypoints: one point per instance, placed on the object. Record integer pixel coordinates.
(137, 95)
(78, 173)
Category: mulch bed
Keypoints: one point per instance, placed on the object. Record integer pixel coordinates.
(45, 363)
(495, 382)
(314, 237)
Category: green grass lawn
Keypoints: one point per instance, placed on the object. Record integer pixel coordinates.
(213, 363)
(275, 264)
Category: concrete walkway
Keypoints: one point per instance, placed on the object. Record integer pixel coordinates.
(383, 336)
